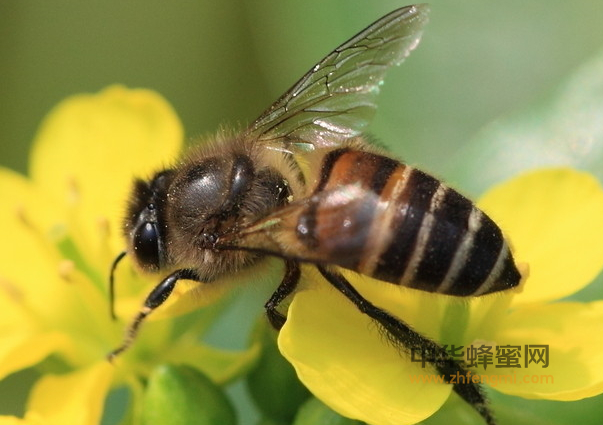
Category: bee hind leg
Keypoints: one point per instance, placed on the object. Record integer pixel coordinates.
(286, 288)
(405, 339)
(158, 295)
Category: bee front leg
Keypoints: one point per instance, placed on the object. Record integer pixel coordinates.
(287, 286)
(158, 295)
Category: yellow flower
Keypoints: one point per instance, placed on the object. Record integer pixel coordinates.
(554, 220)
(61, 229)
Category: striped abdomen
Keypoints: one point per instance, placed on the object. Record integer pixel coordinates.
(385, 219)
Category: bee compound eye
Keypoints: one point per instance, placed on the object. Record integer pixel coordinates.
(146, 245)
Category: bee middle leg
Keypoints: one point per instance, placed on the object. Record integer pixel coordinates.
(408, 340)
(158, 295)
(286, 288)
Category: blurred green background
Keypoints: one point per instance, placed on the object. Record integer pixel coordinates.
(223, 62)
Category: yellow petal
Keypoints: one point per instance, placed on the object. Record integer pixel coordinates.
(75, 398)
(571, 331)
(188, 295)
(343, 359)
(29, 272)
(90, 147)
(38, 290)
(553, 218)
(23, 203)
(21, 350)
(14, 315)
(445, 319)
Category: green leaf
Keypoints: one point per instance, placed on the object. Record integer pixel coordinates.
(512, 410)
(268, 421)
(180, 395)
(273, 384)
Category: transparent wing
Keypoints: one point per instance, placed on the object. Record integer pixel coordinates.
(335, 100)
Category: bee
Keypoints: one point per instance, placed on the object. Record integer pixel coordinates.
(303, 184)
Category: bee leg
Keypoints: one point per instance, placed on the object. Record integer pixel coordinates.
(287, 286)
(406, 339)
(158, 295)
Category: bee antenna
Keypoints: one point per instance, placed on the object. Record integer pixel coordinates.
(119, 257)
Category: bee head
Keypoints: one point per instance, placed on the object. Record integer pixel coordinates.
(144, 225)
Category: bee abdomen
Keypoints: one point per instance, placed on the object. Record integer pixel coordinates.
(440, 242)
(420, 233)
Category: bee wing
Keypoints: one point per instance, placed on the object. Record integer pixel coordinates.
(331, 226)
(335, 100)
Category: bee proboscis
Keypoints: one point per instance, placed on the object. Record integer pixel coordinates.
(303, 184)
